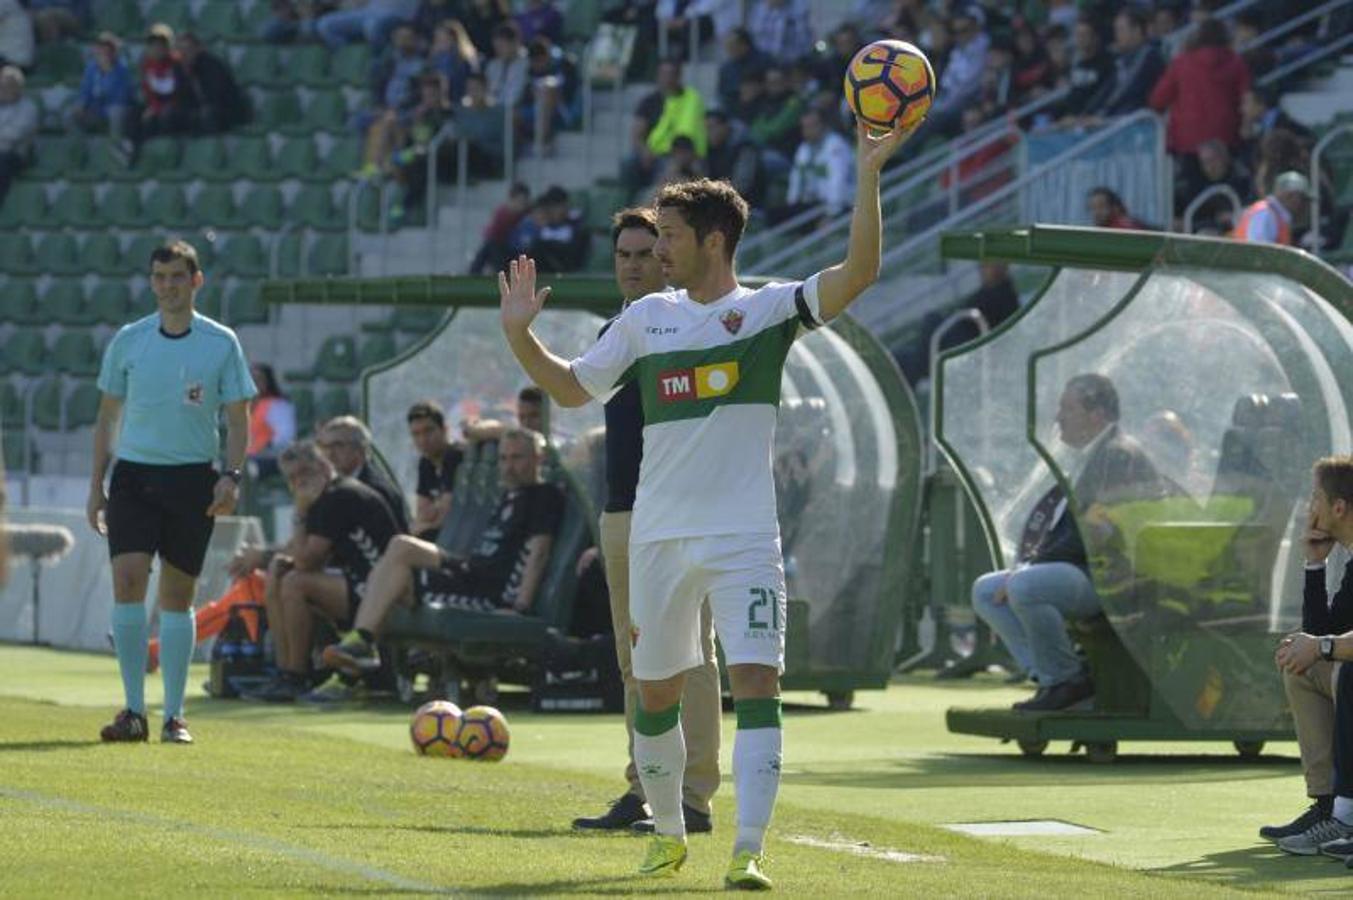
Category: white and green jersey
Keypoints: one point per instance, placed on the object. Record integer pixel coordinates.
(709, 377)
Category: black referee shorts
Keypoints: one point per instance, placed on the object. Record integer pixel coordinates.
(161, 509)
(451, 586)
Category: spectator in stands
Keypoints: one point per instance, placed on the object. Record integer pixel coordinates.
(740, 57)
(507, 73)
(414, 130)
(1137, 66)
(1165, 21)
(532, 406)
(16, 35)
(1214, 166)
(963, 71)
(18, 127)
(996, 299)
(216, 99)
(552, 101)
(394, 86)
(641, 15)
(480, 121)
(822, 175)
(1311, 661)
(1272, 220)
(481, 19)
(733, 158)
(339, 522)
(680, 164)
(555, 236)
(782, 29)
(292, 20)
(106, 89)
(272, 422)
(1247, 26)
(453, 56)
(1028, 604)
(674, 108)
(830, 68)
(1092, 71)
(541, 19)
(676, 18)
(776, 128)
(495, 250)
(1032, 70)
(56, 20)
(438, 461)
(373, 20)
(503, 574)
(165, 93)
(1107, 210)
(1260, 117)
(1201, 89)
(346, 442)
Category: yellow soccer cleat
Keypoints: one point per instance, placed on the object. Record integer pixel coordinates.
(744, 873)
(666, 854)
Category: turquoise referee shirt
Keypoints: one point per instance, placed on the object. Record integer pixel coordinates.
(172, 389)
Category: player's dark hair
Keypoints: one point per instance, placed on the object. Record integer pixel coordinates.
(531, 394)
(1334, 474)
(172, 250)
(708, 206)
(640, 217)
(1111, 196)
(426, 409)
(1096, 393)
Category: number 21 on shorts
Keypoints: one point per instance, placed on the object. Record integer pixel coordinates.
(763, 613)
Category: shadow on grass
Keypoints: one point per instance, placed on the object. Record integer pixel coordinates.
(523, 833)
(1264, 865)
(968, 770)
(24, 746)
(623, 887)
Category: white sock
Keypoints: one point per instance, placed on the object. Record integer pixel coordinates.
(756, 777)
(1343, 809)
(661, 760)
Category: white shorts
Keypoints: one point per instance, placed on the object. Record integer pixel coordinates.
(744, 578)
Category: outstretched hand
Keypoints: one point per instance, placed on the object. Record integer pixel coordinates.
(521, 302)
(873, 152)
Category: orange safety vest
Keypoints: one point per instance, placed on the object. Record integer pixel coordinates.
(260, 432)
(1243, 225)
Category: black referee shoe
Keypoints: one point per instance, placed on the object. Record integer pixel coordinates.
(622, 814)
(696, 822)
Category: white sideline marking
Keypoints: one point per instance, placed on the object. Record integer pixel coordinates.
(1025, 828)
(861, 848)
(252, 841)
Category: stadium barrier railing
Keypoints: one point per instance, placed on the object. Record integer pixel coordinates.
(1216, 190)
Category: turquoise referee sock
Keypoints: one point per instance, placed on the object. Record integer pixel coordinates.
(129, 640)
(178, 633)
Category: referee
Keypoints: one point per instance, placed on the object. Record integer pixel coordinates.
(166, 377)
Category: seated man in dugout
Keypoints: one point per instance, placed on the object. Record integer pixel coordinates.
(1028, 604)
(1310, 662)
(502, 575)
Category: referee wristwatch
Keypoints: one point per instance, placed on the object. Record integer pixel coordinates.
(234, 475)
(1327, 648)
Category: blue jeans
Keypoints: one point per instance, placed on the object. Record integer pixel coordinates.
(345, 26)
(1032, 619)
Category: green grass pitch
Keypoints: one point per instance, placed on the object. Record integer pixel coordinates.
(292, 801)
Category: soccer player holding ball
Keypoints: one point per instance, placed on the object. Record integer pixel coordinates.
(166, 377)
(708, 357)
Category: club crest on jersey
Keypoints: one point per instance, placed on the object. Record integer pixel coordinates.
(699, 383)
(195, 393)
(732, 320)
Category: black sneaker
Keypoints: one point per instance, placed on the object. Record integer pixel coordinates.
(696, 822)
(622, 814)
(126, 727)
(175, 731)
(285, 688)
(1317, 812)
(352, 655)
(1060, 696)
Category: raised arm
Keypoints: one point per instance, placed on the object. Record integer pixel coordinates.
(843, 282)
(521, 303)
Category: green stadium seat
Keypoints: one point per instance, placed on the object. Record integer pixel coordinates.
(308, 64)
(74, 353)
(376, 349)
(208, 300)
(242, 255)
(11, 403)
(303, 399)
(25, 206)
(158, 155)
(220, 20)
(24, 351)
(136, 258)
(64, 303)
(122, 17)
(82, 405)
(121, 206)
(59, 63)
(204, 158)
(368, 207)
(418, 320)
(351, 65)
(314, 207)
(296, 158)
(58, 254)
(262, 207)
(16, 255)
(258, 66)
(110, 303)
(336, 401)
(326, 111)
(246, 306)
(206, 250)
(75, 207)
(61, 157)
(173, 13)
(100, 162)
(167, 207)
(101, 255)
(383, 325)
(329, 255)
(214, 208)
(47, 404)
(280, 109)
(288, 255)
(344, 158)
(14, 440)
(19, 303)
(337, 359)
(251, 159)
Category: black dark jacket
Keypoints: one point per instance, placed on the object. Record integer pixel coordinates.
(1319, 616)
